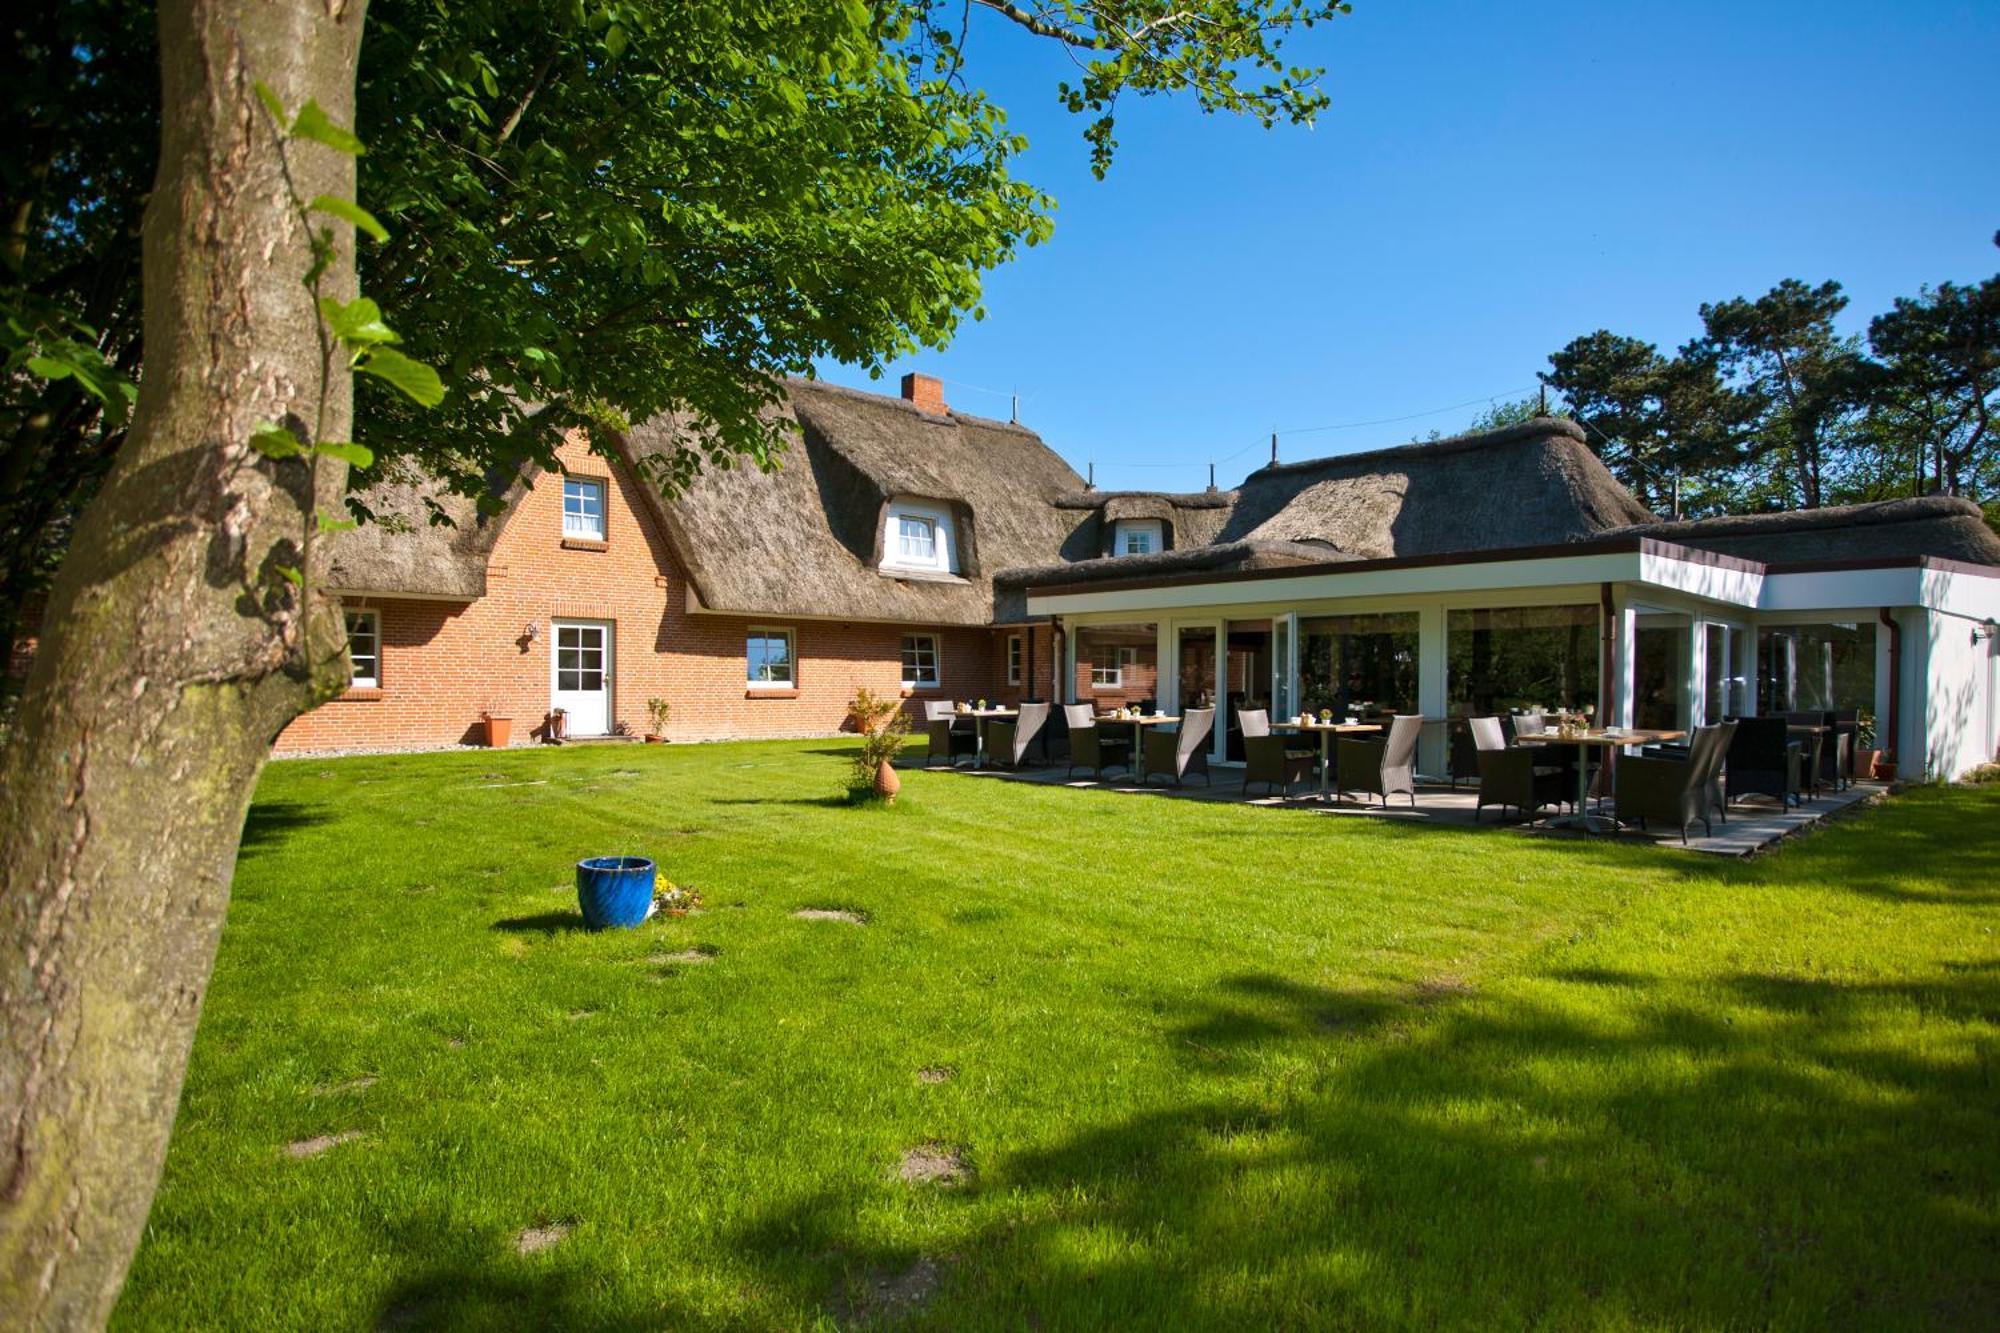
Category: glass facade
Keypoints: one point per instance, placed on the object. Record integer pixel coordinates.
(1360, 665)
(1117, 664)
(1811, 668)
(1501, 659)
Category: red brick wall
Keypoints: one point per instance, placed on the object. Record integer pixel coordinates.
(443, 663)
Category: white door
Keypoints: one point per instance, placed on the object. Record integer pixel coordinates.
(580, 675)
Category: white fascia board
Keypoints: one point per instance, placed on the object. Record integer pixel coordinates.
(1832, 589)
(1969, 596)
(1707, 581)
(1473, 576)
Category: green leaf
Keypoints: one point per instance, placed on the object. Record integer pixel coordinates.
(350, 211)
(358, 323)
(328, 524)
(49, 368)
(614, 40)
(313, 124)
(360, 455)
(274, 441)
(292, 575)
(416, 380)
(271, 103)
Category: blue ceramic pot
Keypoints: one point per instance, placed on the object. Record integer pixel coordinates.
(614, 890)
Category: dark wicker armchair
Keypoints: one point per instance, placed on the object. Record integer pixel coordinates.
(1763, 760)
(1270, 759)
(1089, 747)
(950, 735)
(1386, 767)
(1181, 752)
(1512, 776)
(1675, 791)
(1008, 739)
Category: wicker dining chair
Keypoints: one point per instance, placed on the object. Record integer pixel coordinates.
(1008, 739)
(1385, 767)
(1268, 758)
(949, 735)
(1182, 752)
(1512, 775)
(1089, 747)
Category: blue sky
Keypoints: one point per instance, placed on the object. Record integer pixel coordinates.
(1491, 180)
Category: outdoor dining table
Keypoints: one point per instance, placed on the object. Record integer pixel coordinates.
(980, 717)
(1327, 731)
(1608, 740)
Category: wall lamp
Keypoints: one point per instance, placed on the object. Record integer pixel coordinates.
(1984, 633)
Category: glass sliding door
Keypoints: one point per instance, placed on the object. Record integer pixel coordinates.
(1195, 645)
(1358, 665)
(1246, 680)
(1660, 672)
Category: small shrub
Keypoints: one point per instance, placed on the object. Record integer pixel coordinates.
(659, 710)
(884, 729)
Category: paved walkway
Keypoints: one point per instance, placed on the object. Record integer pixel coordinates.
(1753, 824)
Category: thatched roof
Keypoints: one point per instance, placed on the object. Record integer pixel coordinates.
(806, 540)
(405, 552)
(1935, 525)
(1533, 484)
(1219, 557)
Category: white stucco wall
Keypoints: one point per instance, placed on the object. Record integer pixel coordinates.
(1961, 713)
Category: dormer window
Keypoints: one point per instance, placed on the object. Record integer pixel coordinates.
(919, 537)
(1138, 536)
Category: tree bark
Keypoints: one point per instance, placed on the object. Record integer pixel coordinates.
(173, 655)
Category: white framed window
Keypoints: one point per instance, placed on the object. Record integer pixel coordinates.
(583, 508)
(1013, 659)
(920, 536)
(364, 648)
(920, 661)
(1107, 667)
(769, 657)
(1138, 536)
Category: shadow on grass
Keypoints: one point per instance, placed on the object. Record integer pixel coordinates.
(468, 1295)
(1582, 1146)
(271, 822)
(543, 923)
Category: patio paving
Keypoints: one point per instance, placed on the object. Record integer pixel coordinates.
(1753, 825)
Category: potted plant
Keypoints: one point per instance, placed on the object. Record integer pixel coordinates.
(1884, 768)
(885, 729)
(614, 891)
(659, 710)
(499, 730)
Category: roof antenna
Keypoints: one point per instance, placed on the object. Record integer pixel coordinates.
(1090, 476)
(1016, 417)
(1544, 409)
(1211, 476)
(1274, 446)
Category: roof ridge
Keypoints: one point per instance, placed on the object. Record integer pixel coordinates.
(1532, 429)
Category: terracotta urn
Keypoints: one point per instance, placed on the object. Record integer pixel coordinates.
(887, 783)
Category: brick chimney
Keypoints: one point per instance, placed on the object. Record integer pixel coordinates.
(925, 392)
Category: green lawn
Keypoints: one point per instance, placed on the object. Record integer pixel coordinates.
(1209, 1066)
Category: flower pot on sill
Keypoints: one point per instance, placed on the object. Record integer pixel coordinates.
(1884, 770)
(654, 738)
(499, 731)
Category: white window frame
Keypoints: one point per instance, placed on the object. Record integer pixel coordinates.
(1113, 676)
(944, 538)
(913, 654)
(575, 524)
(1152, 529)
(373, 619)
(791, 657)
(1015, 657)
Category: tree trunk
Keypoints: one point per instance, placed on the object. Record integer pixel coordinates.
(173, 654)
